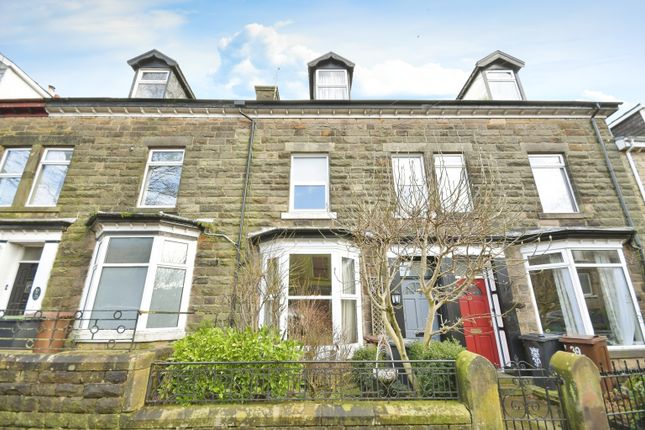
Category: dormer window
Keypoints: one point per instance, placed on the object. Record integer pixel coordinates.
(502, 85)
(495, 77)
(330, 77)
(332, 84)
(151, 83)
(157, 76)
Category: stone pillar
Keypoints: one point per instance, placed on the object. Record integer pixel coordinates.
(137, 382)
(477, 380)
(581, 398)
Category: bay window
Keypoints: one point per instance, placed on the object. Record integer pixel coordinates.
(321, 292)
(581, 289)
(138, 285)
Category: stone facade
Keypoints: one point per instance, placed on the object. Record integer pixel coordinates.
(110, 153)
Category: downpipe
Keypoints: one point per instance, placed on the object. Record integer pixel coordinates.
(240, 232)
(619, 192)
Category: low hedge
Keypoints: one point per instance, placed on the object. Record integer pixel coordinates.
(188, 383)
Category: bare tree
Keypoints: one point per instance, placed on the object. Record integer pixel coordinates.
(259, 295)
(451, 221)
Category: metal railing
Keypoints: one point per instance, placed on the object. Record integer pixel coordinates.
(49, 331)
(624, 394)
(271, 381)
(530, 398)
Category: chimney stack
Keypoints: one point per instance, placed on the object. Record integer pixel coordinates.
(266, 93)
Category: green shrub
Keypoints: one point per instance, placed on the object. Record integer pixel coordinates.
(444, 350)
(435, 379)
(198, 382)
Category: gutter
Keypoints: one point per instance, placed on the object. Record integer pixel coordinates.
(240, 232)
(610, 107)
(619, 192)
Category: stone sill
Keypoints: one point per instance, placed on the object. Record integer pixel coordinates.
(574, 215)
(308, 215)
(636, 351)
(34, 209)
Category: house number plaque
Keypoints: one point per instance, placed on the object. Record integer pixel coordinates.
(36, 293)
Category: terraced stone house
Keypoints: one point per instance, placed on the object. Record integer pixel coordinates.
(131, 210)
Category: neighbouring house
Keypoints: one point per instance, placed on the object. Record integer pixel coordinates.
(16, 84)
(629, 131)
(129, 211)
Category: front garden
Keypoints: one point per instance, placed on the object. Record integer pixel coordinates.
(227, 365)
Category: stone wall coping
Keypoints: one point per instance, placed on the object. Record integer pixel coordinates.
(78, 360)
(301, 414)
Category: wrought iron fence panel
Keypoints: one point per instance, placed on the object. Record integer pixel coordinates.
(271, 381)
(530, 398)
(623, 388)
(57, 330)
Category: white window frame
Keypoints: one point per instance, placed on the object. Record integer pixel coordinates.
(422, 181)
(158, 233)
(441, 170)
(293, 213)
(565, 249)
(11, 249)
(562, 166)
(282, 249)
(140, 80)
(513, 79)
(345, 86)
(149, 163)
(44, 162)
(5, 155)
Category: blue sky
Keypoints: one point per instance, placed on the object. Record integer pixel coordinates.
(574, 50)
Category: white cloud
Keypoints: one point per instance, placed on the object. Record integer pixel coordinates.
(280, 57)
(92, 24)
(599, 96)
(400, 78)
(106, 33)
(261, 54)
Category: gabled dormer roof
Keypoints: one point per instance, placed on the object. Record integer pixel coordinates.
(329, 60)
(500, 57)
(154, 59)
(496, 59)
(16, 84)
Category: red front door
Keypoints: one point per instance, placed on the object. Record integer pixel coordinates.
(478, 325)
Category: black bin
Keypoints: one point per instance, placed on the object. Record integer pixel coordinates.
(538, 350)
